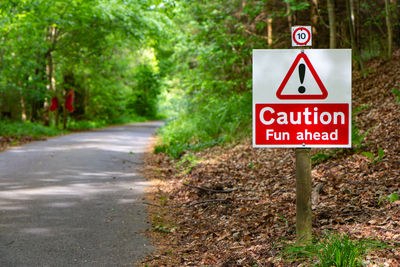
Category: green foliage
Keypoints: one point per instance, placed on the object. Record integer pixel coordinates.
(332, 250)
(85, 125)
(90, 46)
(80, 125)
(357, 138)
(124, 58)
(322, 156)
(369, 155)
(19, 129)
(297, 6)
(210, 83)
(391, 198)
(358, 109)
(396, 92)
(145, 91)
(215, 121)
(375, 159)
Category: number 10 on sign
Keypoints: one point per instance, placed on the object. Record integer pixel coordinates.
(301, 36)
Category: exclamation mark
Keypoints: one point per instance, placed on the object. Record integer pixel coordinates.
(302, 73)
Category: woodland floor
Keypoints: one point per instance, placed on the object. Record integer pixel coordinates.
(194, 224)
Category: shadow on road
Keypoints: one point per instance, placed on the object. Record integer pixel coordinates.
(73, 200)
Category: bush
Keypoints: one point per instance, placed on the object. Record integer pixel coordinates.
(19, 129)
(216, 121)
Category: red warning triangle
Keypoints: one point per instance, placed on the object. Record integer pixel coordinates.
(314, 74)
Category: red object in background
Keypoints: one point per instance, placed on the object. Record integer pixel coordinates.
(69, 101)
(54, 104)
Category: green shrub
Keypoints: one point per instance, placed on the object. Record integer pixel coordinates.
(216, 121)
(19, 129)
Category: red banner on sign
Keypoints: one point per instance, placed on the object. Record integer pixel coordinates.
(298, 124)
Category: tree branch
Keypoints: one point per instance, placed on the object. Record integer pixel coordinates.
(207, 201)
(209, 189)
(220, 200)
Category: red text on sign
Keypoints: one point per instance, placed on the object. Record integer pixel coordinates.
(298, 124)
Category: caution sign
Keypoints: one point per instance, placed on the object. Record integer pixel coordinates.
(302, 99)
(302, 92)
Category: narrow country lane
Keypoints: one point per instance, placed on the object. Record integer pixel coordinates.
(75, 200)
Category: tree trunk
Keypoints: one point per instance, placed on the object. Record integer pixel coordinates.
(51, 39)
(389, 29)
(23, 108)
(314, 21)
(354, 46)
(269, 28)
(358, 25)
(289, 15)
(49, 72)
(396, 27)
(332, 24)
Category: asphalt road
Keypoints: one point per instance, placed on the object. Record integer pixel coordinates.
(75, 200)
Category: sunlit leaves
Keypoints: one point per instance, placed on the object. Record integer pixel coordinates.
(91, 39)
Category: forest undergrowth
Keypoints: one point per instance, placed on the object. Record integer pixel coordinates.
(234, 205)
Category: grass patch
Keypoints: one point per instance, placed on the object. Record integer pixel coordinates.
(83, 125)
(332, 249)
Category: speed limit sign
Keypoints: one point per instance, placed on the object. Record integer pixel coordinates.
(301, 36)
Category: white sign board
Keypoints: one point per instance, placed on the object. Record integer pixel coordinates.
(301, 36)
(302, 98)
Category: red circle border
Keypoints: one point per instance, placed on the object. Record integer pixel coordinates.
(301, 28)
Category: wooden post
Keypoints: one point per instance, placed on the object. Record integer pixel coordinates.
(303, 195)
